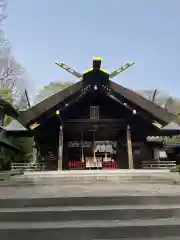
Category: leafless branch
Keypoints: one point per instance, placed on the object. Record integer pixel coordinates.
(11, 72)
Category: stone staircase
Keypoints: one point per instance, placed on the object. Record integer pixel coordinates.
(84, 177)
(90, 218)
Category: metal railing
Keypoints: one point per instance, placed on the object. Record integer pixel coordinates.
(154, 164)
(20, 168)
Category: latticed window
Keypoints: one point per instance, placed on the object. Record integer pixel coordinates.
(94, 112)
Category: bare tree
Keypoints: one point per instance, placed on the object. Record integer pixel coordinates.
(12, 75)
(3, 16)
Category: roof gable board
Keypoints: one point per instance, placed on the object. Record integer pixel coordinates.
(147, 105)
(36, 111)
(8, 109)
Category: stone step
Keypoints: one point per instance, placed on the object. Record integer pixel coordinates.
(46, 182)
(91, 177)
(89, 201)
(90, 212)
(40, 214)
(148, 238)
(88, 230)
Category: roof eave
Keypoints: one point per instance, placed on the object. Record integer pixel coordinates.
(155, 110)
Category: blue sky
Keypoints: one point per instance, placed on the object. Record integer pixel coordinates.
(145, 31)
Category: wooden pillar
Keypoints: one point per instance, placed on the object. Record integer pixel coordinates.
(34, 153)
(65, 154)
(60, 157)
(129, 147)
(34, 150)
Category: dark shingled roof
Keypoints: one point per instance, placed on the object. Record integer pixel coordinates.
(171, 126)
(4, 142)
(14, 125)
(36, 111)
(8, 109)
(154, 109)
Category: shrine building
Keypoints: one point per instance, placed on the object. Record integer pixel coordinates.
(94, 123)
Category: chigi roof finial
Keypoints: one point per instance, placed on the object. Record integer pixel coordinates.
(96, 66)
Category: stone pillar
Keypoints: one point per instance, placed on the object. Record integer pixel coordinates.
(129, 147)
(60, 157)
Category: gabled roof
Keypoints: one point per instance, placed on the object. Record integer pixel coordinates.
(147, 105)
(8, 109)
(172, 126)
(14, 125)
(4, 142)
(36, 111)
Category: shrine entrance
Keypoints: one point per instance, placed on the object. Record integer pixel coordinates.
(92, 155)
(91, 148)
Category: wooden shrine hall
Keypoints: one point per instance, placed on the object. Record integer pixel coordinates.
(95, 123)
